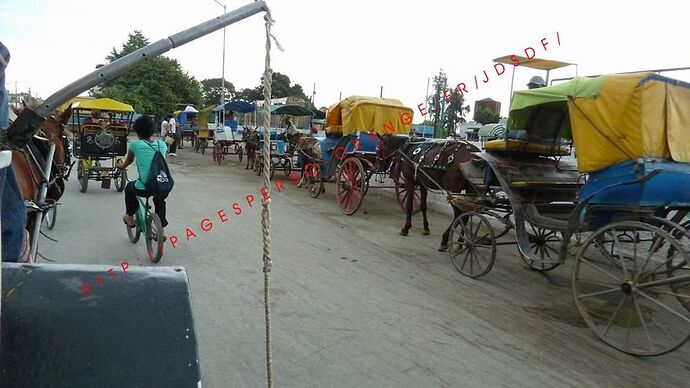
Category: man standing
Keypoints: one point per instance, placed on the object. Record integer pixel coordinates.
(172, 131)
(164, 127)
(15, 239)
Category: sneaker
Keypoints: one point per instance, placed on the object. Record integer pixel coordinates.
(173, 154)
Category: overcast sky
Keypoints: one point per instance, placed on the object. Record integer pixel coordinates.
(353, 46)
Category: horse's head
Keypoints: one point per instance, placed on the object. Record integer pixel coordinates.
(387, 148)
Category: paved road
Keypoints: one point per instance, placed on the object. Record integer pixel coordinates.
(354, 303)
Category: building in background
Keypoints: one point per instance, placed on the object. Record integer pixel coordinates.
(487, 103)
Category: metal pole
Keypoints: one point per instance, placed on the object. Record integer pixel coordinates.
(426, 101)
(36, 230)
(381, 93)
(313, 92)
(340, 96)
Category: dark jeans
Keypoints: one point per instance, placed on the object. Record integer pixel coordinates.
(13, 216)
(132, 204)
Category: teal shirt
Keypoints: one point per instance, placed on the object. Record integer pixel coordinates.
(143, 155)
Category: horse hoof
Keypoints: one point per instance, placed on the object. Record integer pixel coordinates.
(426, 233)
(443, 248)
(403, 232)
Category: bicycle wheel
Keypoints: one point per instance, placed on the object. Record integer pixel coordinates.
(134, 232)
(154, 237)
(121, 181)
(50, 216)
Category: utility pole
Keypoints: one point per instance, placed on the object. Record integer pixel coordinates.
(222, 93)
(381, 93)
(313, 92)
(427, 98)
(340, 96)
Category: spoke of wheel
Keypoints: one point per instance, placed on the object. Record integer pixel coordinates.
(465, 260)
(477, 257)
(644, 265)
(663, 306)
(672, 293)
(615, 313)
(599, 293)
(622, 258)
(476, 231)
(608, 256)
(600, 270)
(472, 262)
(644, 324)
(460, 251)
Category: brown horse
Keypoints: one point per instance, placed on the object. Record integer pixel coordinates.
(430, 165)
(29, 173)
(308, 152)
(251, 140)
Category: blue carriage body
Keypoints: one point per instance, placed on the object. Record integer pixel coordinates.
(668, 188)
(367, 145)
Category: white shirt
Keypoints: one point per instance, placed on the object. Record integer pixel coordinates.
(164, 128)
(172, 125)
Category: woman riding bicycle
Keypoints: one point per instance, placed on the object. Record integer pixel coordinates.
(142, 150)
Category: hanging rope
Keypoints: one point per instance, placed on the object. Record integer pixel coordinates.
(266, 203)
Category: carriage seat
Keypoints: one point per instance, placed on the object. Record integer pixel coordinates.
(521, 141)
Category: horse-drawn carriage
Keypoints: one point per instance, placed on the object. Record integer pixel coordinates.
(186, 124)
(102, 129)
(351, 151)
(626, 200)
(228, 136)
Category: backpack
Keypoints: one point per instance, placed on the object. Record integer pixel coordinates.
(159, 182)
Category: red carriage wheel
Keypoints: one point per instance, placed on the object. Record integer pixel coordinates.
(401, 193)
(351, 183)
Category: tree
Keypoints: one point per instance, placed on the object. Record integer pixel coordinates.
(436, 101)
(155, 86)
(212, 89)
(455, 112)
(280, 88)
(486, 116)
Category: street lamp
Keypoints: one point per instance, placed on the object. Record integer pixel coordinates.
(222, 95)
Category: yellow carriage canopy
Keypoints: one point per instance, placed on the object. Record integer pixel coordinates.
(359, 113)
(105, 104)
(613, 118)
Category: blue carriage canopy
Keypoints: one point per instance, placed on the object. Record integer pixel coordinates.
(237, 107)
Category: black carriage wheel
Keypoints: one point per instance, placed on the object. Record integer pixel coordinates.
(287, 166)
(273, 166)
(616, 285)
(121, 180)
(545, 244)
(83, 177)
(50, 216)
(155, 237)
(472, 245)
(401, 194)
(369, 168)
(314, 180)
(133, 232)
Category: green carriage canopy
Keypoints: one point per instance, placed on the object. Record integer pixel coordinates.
(611, 118)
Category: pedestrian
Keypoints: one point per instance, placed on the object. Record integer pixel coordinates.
(172, 131)
(15, 239)
(164, 127)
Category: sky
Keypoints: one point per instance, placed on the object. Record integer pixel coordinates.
(352, 47)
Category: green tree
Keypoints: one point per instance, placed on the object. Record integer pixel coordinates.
(212, 89)
(280, 87)
(455, 112)
(437, 102)
(152, 87)
(486, 116)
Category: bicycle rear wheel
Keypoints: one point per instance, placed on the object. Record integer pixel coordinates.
(154, 237)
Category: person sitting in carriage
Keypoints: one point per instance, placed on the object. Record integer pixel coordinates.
(142, 151)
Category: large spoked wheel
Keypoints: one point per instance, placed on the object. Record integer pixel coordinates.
(82, 177)
(121, 180)
(545, 244)
(350, 186)
(401, 194)
(624, 288)
(134, 232)
(314, 180)
(472, 245)
(286, 165)
(155, 237)
(50, 216)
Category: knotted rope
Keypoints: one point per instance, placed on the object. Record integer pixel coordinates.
(266, 203)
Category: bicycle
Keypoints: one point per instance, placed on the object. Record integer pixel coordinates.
(148, 223)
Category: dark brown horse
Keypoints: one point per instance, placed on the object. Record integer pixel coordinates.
(29, 173)
(429, 165)
(251, 140)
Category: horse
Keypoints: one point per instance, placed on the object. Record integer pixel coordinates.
(308, 152)
(24, 161)
(429, 165)
(250, 136)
